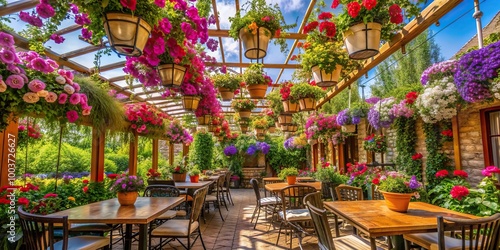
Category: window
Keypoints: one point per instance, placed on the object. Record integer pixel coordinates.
(490, 118)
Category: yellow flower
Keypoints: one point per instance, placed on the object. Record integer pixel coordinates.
(71, 198)
(253, 26)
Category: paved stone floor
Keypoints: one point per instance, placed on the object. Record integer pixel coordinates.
(236, 232)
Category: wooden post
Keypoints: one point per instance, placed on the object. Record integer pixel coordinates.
(8, 146)
(456, 143)
(155, 154)
(185, 149)
(314, 152)
(97, 158)
(171, 154)
(341, 158)
(132, 159)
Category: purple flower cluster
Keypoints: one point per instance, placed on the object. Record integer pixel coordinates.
(343, 117)
(259, 146)
(288, 144)
(374, 119)
(230, 150)
(475, 69)
(414, 183)
(438, 71)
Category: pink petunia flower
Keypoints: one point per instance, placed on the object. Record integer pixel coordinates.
(45, 10)
(63, 98)
(36, 85)
(86, 110)
(15, 81)
(74, 99)
(72, 116)
(69, 89)
(7, 56)
(51, 97)
(6, 40)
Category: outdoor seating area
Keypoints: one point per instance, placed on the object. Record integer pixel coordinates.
(250, 124)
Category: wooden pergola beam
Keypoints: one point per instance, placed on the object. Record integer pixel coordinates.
(17, 6)
(428, 17)
(266, 65)
(225, 33)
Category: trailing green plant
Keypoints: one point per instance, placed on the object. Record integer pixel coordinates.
(242, 104)
(279, 157)
(406, 139)
(227, 80)
(290, 171)
(201, 152)
(306, 90)
(275, 103)
(255, 74)
(260, 14)
(436, 159)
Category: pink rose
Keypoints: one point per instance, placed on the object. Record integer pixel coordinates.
(72, 115)
(63, 98)
(69, 89)
(51, 97)
(74, 99)
(36, 85)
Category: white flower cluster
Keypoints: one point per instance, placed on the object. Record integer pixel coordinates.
(438, 101)
(384, 107)
(495, 88)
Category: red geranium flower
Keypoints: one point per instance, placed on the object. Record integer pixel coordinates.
(312, 25)
(416, 156)
(396, 14)
(325, 16)
(85, 181)
(442, 173)
(85, 189)
(112, 176)
(459, 192)
(335, 3)
(129, 4)
(376, 181)
(369, 4)
(411, 97)
(277, 33)
(353, 9)
(4, 201)
(460, 173)
(50, 195)
(448, 133)
(23, 201)
(329, 28)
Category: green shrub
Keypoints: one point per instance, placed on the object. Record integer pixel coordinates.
(120, 160)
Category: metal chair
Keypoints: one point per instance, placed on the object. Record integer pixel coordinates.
(218, 198)
(349, 193)
(182, 228)
(265, 202)
(294, 211)
(38, 233)
(325, 240)
(479, 234)
(164, 191)
(225, 188)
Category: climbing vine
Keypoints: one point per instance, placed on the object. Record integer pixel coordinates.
(406, 139)
(436, 159)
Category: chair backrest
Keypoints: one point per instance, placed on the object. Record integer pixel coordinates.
(349, 193)
(292, 197)
(269, 182)
(198, 203)
(479, 234)
(327, 188)
(161, 191)
(321, 226)
(376, 195)
(227, 180)
(255, 186)
(314, 199)
(38, 230)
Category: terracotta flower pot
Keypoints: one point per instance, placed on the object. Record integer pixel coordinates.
(257, 91)
(127, 198)
(244, 128)
(260, 131)
(194, 178)
(226, 94)
(292, 128)
(179, 177)
(291, 179)
(290, 107)
(255, 46)
(171, 75)
(396, 201)
(285, 119)
(284, 128)
(272, 129)
(363, 40)
(244, 113)
(307, 104)
(190, 103)
(351, 128)
(127, 34)
(326, 79)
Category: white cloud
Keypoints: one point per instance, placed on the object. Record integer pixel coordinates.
(289, 5)
(226, 10)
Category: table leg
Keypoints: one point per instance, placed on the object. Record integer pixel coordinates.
(143, 236)
(398, 242)
(373, 244)
(128, 237)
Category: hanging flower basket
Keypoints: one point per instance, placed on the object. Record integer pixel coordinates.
(285, 119)
(255, 46)
(398, 202)
(324, 79)
(201, 120)
(127, 198)
(171, 75)
(260, 131)
(226, 94)
(363, 40)
(272, 129)
(244, 128)
(127, 34)
(351, 128)
(289, 107)
(284, 128)
(261, 136)
(244, 113)
(307, 104)
(292, 128)
(257, 91)
(190, 103)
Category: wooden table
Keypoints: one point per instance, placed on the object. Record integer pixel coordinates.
(192, 185)
(275, 187)
(144, 211)
(373, 218)
(278, 179)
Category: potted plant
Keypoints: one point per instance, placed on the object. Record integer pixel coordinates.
(190, 96)
(126, 24)
(271, 124)
(398, 190)
(127, 188)
(179, 170)
(194, 174)
(349, 118)
(256, 81)
(375, 143)
(363, 23)
(145, 119)
(243, 107)
(260, 23)
(175, 133)
(307, 95)
(323, 54)
(290, 104)
(290, 174)
(260, 124)
(227, 83)
(329, 177)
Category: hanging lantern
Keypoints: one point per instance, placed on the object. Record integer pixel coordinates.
(127, 34)
(171, 75)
